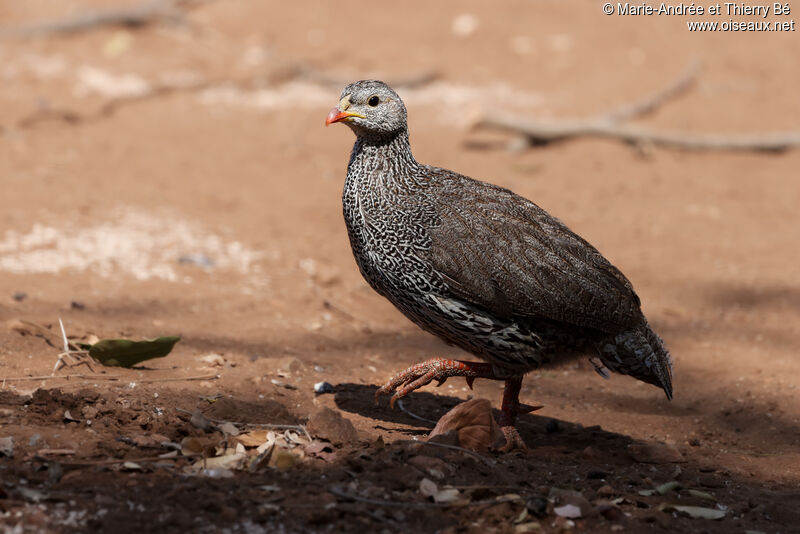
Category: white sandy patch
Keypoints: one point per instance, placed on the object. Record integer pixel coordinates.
(142, 245)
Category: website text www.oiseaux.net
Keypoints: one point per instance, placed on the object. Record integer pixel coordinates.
(720, 9)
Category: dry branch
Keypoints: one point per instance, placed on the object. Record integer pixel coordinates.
(650, 103)
(416, 504)
(110, 106)
(609, 126)
(131, 16)
(58, 377)
(542, 132)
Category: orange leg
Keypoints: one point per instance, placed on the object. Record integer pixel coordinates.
(440, 369)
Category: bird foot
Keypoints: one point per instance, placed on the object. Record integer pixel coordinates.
(439, 369)
(514, 441)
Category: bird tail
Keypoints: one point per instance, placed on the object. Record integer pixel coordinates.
(640, 353)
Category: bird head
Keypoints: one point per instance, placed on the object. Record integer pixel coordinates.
(369, 107)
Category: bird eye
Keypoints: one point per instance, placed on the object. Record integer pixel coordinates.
(373, 100)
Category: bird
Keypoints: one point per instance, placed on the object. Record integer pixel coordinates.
(482, 268)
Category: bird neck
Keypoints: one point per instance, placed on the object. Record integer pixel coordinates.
(389, 154)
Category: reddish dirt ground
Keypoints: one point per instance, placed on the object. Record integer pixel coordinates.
(99, 204)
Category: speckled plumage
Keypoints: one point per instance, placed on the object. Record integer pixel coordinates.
(480, 266)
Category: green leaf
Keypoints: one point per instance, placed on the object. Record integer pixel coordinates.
(695, 512)
(127, 353)
(663, 489)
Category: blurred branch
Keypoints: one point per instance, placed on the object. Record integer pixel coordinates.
(132, 16)
(609, 125)
(543, 132)
(650, 103)
(164, 88)
(109, 107)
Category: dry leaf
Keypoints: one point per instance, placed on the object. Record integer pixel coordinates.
(153, 440)
(68, 417)
(695, 512)
(447, 495)
(473, 420)
(569, 511)
(428, 488)
(253, 438)
(131, 466)
(227, 461)
(322, 450)
(282, 459)
(192, 446)
(229, 429)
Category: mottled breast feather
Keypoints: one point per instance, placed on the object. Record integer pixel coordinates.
(506, 254)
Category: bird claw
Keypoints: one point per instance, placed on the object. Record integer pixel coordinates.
(407, 381)
(527, 408)
(421, 374)
(513, 440)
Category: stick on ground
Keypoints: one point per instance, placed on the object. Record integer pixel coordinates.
(610, 126)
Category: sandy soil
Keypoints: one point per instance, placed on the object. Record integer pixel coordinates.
(235, 175)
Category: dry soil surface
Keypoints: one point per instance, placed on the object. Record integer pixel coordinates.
(176, 178)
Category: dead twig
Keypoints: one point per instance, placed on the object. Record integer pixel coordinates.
(609, 126)
(405, 504)
(299, 428)
(131, 16)
(403, 409)
(71, 350)
(115, 461)
(111, 106)
(54, 377)
(111, 377)
(650, 103)
(543, 132)
(487, 461)
(179, 379)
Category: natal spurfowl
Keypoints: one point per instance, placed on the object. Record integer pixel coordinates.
(481, 267)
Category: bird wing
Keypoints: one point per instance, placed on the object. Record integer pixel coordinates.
(504, 253)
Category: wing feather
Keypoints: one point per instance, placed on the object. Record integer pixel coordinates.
(507, 255)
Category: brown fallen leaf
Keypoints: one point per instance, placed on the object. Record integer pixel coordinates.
(254, 438)
(322, 450)
(153, 440)
(283, 459)
(473, 421)
(197, 446)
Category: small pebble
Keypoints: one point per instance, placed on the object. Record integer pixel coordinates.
(201, 260)
(75, 305)
(19, 296)
(321, 388)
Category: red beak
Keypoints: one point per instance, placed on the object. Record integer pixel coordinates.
(336, 115)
